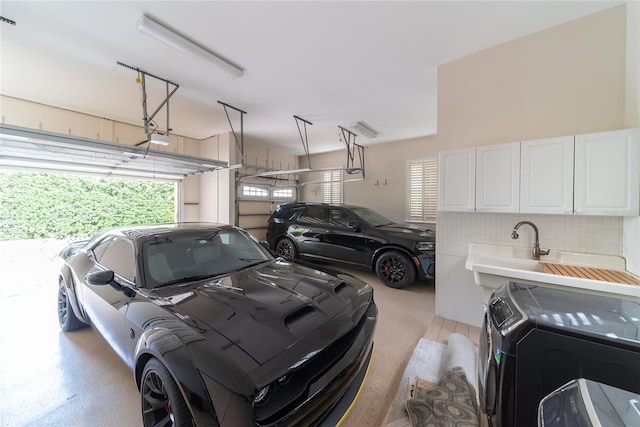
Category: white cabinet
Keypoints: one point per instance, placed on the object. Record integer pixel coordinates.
(607, 173)
(546, 176)
(498, 178)
(457, 180)
(593, 174)
(482, 179)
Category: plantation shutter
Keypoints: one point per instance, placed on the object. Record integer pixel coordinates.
(332, 187)
(423, 186)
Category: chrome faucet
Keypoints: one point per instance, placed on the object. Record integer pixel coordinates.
(536, 244)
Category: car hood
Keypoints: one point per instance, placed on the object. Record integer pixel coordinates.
(266, 309)
(406, 230)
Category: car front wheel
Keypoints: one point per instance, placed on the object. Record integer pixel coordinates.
(66, 316)
(162, 401)
(395, 269)
(286, 249)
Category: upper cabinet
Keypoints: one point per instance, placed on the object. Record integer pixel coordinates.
(546, 176)
(607, 173)
(593, 174)
(479, 179)
(498, 178)
(457, 180)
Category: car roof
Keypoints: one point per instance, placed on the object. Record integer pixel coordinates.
(141, 232)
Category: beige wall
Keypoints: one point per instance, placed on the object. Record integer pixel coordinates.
(213, 192)
(563, 81)
(384, 163)
(632, 119)
(632, 92)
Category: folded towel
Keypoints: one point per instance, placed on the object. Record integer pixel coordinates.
(452, 403)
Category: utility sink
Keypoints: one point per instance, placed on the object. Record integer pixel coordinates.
(494, 265)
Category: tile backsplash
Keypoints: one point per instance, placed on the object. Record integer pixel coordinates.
(576, 233)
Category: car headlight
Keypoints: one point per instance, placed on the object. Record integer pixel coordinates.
(426, 246)
(261, 395)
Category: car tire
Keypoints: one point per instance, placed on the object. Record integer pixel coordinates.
(66, 316)
(286, 248)
(395, 269)
(162, 401)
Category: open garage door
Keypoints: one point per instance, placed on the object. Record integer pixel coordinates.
(29, 149)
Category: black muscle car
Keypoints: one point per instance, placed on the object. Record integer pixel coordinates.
(216, 330)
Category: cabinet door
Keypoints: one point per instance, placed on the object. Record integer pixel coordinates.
(546, 176)
(498, 178)
(457, 180)
(607, 173)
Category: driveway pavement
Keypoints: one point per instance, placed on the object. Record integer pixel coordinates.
(28, 265)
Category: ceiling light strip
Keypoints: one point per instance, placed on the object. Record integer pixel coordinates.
(171, 38)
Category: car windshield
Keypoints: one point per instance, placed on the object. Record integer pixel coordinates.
(373, 218)
(180, 258)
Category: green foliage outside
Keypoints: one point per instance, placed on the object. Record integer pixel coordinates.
(41, 205)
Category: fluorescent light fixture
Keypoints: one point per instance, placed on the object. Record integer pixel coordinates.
(179, 42)
(158, 138)
(364, 129)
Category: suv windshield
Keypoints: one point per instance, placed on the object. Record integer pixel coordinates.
(196, 256)
(373, 218)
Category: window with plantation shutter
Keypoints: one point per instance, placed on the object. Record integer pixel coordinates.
(332, 187)
(423, 187)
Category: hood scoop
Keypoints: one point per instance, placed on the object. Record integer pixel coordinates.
(343, 290)
(296, 319)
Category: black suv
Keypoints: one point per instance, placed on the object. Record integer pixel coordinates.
(398, 253)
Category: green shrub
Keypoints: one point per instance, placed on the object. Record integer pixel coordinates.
(42, 205)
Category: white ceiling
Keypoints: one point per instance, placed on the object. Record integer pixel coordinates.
(331, 63)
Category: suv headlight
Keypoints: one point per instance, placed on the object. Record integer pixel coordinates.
(426, 246)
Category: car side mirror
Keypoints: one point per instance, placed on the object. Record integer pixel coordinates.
(100, 278)
(355, 226)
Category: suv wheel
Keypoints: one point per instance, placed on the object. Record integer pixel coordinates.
(395, 269)
(286, 249)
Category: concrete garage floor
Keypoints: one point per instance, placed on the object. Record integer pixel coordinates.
(49, 378)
